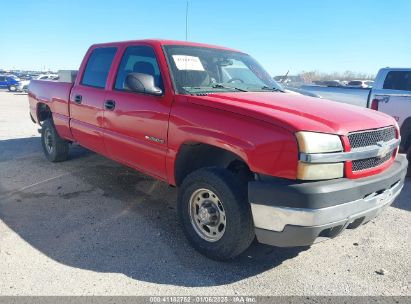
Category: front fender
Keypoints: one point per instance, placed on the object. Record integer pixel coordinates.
(266, 148)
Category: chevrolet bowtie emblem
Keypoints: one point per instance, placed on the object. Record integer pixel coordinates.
(383, 150)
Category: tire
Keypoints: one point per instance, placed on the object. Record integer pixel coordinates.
(55, 148)
(231, 203)
(12, 88)
(409, 161)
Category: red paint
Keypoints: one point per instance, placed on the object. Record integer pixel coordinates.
(259, 127)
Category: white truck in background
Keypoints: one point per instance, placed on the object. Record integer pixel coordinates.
(391, 94)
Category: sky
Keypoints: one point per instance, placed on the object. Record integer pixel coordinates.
(286, 35)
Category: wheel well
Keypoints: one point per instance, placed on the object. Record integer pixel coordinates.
(193, 156)
(43, 112)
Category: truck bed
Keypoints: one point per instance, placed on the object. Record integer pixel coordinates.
(56, 96)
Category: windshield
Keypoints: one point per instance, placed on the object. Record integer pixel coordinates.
(197, 70)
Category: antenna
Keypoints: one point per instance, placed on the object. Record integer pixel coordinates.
(187, 20)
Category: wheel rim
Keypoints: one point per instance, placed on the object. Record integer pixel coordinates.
(207, 215)
(13, 88)
(48, 141)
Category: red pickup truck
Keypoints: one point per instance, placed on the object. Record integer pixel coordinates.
(250, 160)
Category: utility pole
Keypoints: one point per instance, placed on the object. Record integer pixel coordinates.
(187, 20)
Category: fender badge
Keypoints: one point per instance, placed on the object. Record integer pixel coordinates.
(155, 139)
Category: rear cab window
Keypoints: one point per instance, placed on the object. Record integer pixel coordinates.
(98, 67)
(398, 80)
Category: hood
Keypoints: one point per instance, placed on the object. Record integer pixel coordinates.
(297, 112)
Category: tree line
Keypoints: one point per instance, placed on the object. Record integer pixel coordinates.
(347, 75)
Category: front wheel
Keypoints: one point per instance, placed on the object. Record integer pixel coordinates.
(55, 148)
(215, 213)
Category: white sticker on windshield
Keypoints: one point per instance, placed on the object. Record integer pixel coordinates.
(184, 62)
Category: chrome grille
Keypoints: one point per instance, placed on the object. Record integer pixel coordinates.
(370, 137)
(364, 164)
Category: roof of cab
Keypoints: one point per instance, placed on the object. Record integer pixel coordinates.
(395, 69)
(162, 42)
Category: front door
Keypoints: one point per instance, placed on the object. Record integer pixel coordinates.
(135, 124)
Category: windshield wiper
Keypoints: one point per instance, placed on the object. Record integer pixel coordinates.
(272, 89)
(221, 86)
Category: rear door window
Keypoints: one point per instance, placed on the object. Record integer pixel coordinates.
(98, 67)
(398, 80)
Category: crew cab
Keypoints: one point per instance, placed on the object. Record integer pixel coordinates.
(249, 159)
(391, 94)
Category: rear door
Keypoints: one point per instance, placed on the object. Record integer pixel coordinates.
(136, 124)
(87, 99)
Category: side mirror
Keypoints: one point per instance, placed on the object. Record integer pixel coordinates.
(142, 83)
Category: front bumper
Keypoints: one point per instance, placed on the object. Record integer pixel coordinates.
(290, 213)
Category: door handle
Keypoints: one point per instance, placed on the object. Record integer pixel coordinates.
(78, 99)
(110, 105)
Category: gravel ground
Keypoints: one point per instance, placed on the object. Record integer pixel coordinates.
(89, 226)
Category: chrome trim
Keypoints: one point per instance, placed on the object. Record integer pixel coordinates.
(276, 218)
(379, 150)
(371, 130)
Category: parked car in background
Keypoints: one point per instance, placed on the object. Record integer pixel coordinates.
(363, 84)
(249, 158)
(332, 83)
(391, 94)
(9, 82)
(46, 77)
(302, 92)
(23, 85)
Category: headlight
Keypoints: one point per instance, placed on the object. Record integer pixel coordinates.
(311, 142)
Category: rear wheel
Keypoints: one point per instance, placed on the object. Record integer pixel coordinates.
(215, 213)
(55, 148)
(12, 88)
